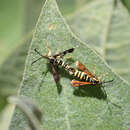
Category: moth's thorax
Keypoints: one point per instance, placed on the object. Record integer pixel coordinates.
(52, 59)
(95, 81)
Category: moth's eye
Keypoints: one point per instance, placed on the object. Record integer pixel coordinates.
(51, 60)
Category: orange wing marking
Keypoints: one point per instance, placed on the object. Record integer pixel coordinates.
(76, 83)
(84, 69)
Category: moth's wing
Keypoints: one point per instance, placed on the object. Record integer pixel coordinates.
(61, 54)
(55, 72)
(84, 69)
(76, 83)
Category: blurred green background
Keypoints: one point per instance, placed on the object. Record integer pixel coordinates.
(11, 26)
(17, 21)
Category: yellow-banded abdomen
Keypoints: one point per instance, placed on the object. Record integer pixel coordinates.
(84, 77)
(61, 63)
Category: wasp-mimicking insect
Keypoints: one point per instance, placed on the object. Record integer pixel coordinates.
(86, 77)
(55, 61)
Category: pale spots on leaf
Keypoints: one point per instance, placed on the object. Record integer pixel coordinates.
(52, 26)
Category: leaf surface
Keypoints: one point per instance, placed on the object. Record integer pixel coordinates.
(70, 108)
(106, 29)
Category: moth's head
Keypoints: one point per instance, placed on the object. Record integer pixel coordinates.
(95, 80)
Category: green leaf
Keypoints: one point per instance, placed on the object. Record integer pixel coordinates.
(126, 4)
(69, 4)
(3, 102)
(11, 73)
(106, 29)
(72, 108)
(67, 7)
(29, 108)
(12, 68)
(11, 26)
(32, 11)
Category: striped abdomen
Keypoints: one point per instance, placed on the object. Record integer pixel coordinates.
(84, 77)
(81, 75)
(63, 64)
(60, 62)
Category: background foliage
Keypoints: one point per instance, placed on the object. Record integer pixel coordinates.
(107, 32)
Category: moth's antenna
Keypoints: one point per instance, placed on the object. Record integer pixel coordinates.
(107, 81)
(42, 56)
(36, 60)
(38, 52)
